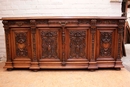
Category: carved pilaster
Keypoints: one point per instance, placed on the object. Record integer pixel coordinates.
(93, 30)
(93, 63)
(120, 32)
(7, 31)
(8, 64)
(34, 64)
(63, 24)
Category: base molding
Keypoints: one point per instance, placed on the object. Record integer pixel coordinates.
(118, 64)
(34, 65)
(92, 65)
(8, 65)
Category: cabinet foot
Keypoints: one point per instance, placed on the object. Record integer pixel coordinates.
(92, 66)
(9, 69)
(92, 70)
(118, 69)
(35, 70)
(34, 66)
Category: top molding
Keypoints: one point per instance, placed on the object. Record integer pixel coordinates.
(63, 17)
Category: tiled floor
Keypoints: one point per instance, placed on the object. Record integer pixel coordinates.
(67, 78)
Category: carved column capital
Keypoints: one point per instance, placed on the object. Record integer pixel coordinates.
(63, 23)
(6, 26)
(93, 25)
(121, 26)
(33, 26)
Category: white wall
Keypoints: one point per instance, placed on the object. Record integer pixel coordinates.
(20, 8)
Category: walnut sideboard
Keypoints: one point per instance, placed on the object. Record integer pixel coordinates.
(63, 42)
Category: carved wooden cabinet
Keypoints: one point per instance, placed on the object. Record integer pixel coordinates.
(64, 42)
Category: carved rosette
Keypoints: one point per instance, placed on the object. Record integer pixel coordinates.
(7, 32)
(21, 43)
(49, 44)
(93, 30)
(33, 31)
(77, 44)
(106, 42)
(120, 32)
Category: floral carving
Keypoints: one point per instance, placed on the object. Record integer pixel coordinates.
(21, 41)
(49, 44)
(77, 44)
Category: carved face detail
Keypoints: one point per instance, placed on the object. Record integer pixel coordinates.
(106, 41)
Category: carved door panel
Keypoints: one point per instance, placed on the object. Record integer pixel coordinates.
(76, 44)
(106, 45)
(21, 47)
(49, 44)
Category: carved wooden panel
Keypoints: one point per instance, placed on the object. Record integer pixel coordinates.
(105, 44)
(77, 44)
(49, 44)
(21, 43)
(106, 41)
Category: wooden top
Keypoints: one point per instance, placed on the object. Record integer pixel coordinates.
(63, 17)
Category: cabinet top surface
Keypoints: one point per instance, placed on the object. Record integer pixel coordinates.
(63, 17)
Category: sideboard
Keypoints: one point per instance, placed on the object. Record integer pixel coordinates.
(79, 42)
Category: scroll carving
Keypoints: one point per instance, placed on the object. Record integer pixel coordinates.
(63, 21)
(77, 44)
(21, 43)
(83, 21)
(106, 42)
(18, 23)
(49, 44)
(107, 22)
(41, 21)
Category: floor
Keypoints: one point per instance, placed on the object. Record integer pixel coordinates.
(68, 78)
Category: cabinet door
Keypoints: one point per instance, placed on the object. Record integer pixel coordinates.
(21, 47)
(49, 44)
(106, 44)
(76, 44)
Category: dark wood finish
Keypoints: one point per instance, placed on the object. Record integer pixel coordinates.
(64, 42)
